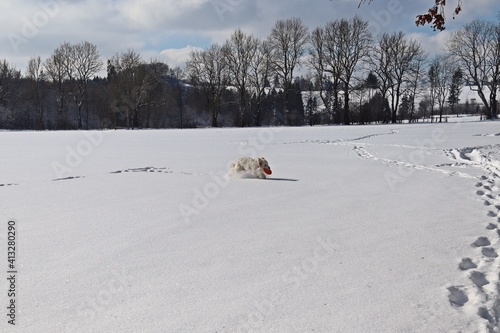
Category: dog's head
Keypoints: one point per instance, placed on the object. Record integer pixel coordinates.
(265, 166)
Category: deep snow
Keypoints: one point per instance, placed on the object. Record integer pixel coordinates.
(388, 228)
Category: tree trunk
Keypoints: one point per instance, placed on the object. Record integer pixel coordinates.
(347, 120)
(287, 95)
(493, 105)
(214, 117)
(258, 115)
(242, 108)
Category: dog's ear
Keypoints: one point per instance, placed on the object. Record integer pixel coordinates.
(260, 161)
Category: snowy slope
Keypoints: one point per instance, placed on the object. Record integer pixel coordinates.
(359, 229)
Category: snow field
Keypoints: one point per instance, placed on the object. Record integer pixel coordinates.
(388, 228)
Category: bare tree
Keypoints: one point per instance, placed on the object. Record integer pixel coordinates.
(36, 93)
(260, 71)
(354, 42)
(477, 48)
(8, 74)
(440, 75)
(131, 85)
(76, 63)
(9, 78)
(323, 59)
(123, 80)
(83, 63)
(55, 67)
(239, 50)
(432, 89)
(288, 40)
(208, 70)
(415, 82)
(393, 61)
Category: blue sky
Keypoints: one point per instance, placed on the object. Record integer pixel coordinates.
(170, 29)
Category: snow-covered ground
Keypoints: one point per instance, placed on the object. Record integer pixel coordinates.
(387, 228)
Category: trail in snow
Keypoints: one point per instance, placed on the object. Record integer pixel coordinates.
(148, 169)
(482, 294)
(363, 153)
(153, 170)
(344, 141)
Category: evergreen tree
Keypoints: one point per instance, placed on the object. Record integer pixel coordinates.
(455, 89)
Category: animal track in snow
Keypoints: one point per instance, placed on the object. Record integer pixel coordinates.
(484, 278)
(363, 153)
(492, 226)
(479, 279)
(481, 241)
(151, 170)
(67, 178)
(497, 134)
(130, 170)
(478, 157)
(489, 252)
(344, 141)
(12, 184)
(466, 264)
(457, 297)
(492, 214)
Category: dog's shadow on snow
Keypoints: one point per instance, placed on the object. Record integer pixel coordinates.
(283, 179)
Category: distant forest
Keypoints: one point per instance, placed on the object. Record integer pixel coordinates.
(351, 77)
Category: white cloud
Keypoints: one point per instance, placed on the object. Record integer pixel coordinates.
(175, 27)
(150, 13)
(178, 57)
(433, 44)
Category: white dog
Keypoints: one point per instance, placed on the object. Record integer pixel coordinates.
(251, 168)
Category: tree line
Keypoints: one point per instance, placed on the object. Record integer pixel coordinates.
(348, 76)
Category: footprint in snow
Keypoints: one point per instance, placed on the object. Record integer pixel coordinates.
(489, 252)
(492, 226)
(457, 297)
(492, 214)
(67, 178)
(145, 169)
(485, 314)
(466, 264)
(481, 241)
(152, 170)
(479, 279)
